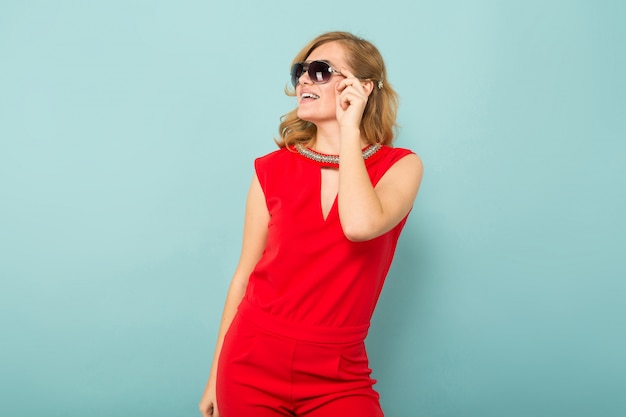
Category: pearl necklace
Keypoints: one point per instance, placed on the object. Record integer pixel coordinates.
(332, 159)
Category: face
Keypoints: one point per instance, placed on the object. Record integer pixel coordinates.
(316, 102)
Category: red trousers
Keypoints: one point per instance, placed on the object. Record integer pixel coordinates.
(264, 374)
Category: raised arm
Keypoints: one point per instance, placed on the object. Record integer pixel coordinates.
(367, 212)
(253, 244)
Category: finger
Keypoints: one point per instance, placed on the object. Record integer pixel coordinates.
(351, 95)
(348, 99)
(350, 90)
(342, 101)
(346, 73)
(350, 81)
(345, 102)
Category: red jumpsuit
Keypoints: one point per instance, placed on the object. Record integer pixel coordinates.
(296, 346)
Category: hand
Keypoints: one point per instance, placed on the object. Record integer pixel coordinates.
(208, 404)
(352, 95)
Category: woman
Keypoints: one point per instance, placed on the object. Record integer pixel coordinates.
(323, 216)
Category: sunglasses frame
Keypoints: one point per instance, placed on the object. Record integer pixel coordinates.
(306, 67)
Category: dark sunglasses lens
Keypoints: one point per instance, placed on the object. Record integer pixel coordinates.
(296, 73)
(319, 72)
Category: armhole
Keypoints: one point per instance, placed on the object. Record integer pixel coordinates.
(394, 156)
(258, 170)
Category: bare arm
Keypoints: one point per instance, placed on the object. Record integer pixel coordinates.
(365, 211)
(253, 244)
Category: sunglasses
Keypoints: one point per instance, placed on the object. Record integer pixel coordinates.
(319, 72)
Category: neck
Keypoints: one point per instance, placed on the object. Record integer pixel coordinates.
(328, 139)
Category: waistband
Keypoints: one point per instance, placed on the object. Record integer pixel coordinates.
(293, 330)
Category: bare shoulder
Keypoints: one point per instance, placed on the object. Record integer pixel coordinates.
(411, 162)
(406, 170)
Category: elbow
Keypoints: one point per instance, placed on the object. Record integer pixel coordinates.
(356, 237)
(359, 232)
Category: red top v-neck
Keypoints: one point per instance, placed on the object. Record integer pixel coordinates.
(311, 281)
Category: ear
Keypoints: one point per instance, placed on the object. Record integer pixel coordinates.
(368, 86)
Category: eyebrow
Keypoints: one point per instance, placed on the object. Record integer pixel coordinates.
(322, 60)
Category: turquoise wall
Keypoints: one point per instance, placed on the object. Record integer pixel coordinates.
(127, 135)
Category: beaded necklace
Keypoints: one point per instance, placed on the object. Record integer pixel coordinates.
(332, 160)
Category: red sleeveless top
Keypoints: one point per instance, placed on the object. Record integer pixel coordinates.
(311, 281)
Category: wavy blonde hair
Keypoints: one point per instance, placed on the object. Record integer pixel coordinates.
(379, 117)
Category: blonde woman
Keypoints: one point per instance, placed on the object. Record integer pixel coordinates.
(323, 217)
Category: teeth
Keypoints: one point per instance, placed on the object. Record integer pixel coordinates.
(309, 95)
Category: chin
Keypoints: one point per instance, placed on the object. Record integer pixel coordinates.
(306, 116)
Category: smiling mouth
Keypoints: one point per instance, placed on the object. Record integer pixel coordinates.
(309, 95)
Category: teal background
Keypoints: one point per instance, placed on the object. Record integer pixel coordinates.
(128, 130)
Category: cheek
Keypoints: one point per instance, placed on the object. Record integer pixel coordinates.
(332, 87)
(329, 102)
(330, 93)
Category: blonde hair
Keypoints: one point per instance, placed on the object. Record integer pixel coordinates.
(379, 117)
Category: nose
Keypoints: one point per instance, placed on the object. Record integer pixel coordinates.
(304, 78)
